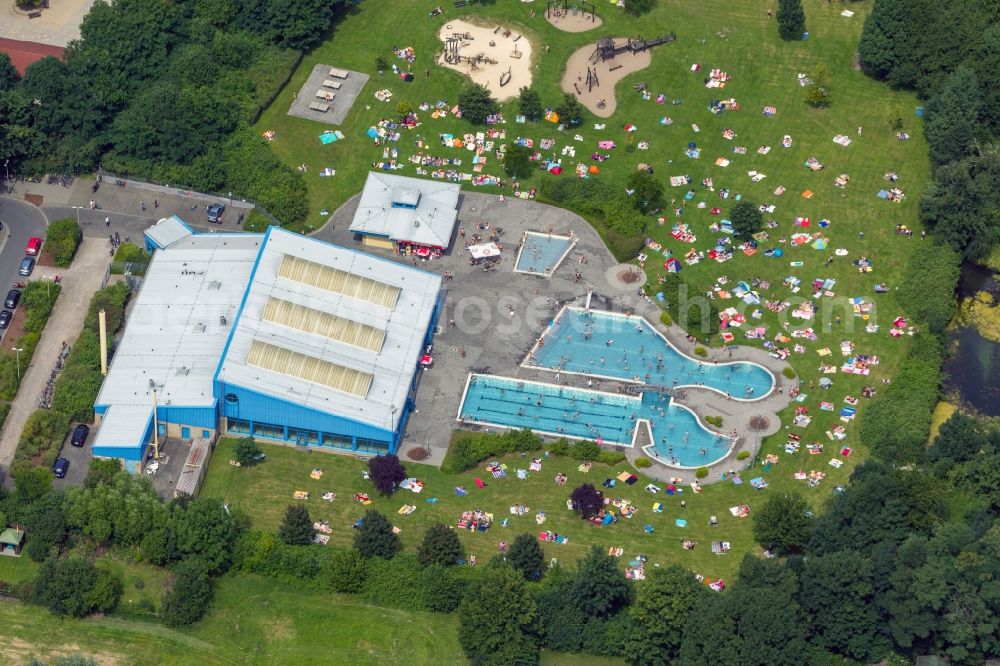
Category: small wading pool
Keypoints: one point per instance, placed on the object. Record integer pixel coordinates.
(541, 254)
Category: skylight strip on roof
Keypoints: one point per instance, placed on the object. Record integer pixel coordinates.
(338, 281)
(287, 362)
(309, 320)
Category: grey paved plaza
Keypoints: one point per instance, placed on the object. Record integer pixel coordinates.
(499, 314)
(350, 89)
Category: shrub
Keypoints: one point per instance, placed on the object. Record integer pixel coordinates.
(700, 351)
(584, 450)
(75, 587)
(714, 420)
(443, 587)
(665, 318)
(743, 455)
(37, 299)
(61, 240)
(344, 571)
(609, 457)
(701, 472)
(42, 436)
(643, 463)
(788, 372)
(247, 452)
(394, 582)
(468, 450)
(127, 253)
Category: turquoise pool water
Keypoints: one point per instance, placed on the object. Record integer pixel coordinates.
(556, 410)
(602, 344)
(542, 253)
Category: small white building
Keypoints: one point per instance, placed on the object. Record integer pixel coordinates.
(406, 215)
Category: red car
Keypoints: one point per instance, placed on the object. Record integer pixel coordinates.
(34, 246)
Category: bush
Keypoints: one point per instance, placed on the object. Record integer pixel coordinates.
(936, 268)
(127, 253)
(639, 7)
(344, 571)
(700, 351)
(584, 450)
(247, 452)
(609, 457)
(394, 582)
(468, 450)
(665, 318)
(643, 463)
(714, 420)
(443, 587)
(743, 455)
(37, 299)
(788, 372)
(61, 240)
(701, 472)
(75, 588)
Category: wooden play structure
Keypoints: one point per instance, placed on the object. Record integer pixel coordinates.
(452, 56)
(606, 48)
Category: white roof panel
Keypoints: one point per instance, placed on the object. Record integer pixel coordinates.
(392, 367)
(123, 425)
(167, 231)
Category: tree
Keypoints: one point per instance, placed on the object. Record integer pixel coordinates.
(32, 483)
(881, 37)
(75, 588)
(657, 618)
(517, 161)
(818, 92)
(587, 500)
(497, 619)
(9, 76)
(791, 19)
(374, 537)
(960, 206)
(646, 191)
(102, 471)
(838, 594)
(954, 117)
(563, 623)
(404, 108)
(600, 589)
(932, 302)
(530, 103)
(297, 527)
(380, 64)
(960, 439)
(45, 520)
(386, 472)
(781, 524)
(345, 571)
(247, 453)
(206, 529)
(440, 546)
(747, 220)
(569, 110)
(477, 104)
(525, 555)
(190, 596)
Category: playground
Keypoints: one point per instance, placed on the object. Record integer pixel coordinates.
(593, 72)
(572, 18)
(498, 57)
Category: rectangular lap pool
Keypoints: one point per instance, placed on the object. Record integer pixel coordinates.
(585, 414)
(541, 254)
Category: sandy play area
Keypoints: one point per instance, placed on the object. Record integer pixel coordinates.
(487, 55)
(572, 20)
(609, 73)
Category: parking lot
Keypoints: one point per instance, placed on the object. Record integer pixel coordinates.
(79, 461)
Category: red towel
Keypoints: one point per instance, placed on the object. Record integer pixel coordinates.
(479, 483)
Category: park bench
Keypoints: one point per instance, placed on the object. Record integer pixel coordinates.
(330, 83)
(338, 73)
(322, 107)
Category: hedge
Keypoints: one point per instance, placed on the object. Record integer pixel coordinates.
(80, 381)
(469, 449)
(61, 240)
(42, 437)
(37, 299)
(927, 288)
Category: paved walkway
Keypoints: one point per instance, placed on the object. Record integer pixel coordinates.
(79, 282)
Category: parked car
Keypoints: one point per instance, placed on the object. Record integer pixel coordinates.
(215, 212)
(5, 317)
(27, 265)
(13, 298)
(79, 435)
(60, 467)
(34, 246)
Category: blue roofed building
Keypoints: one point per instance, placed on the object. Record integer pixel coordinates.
(276, 335)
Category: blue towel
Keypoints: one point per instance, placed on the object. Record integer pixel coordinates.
(680, 522)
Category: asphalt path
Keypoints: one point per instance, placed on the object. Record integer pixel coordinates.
(20, 221)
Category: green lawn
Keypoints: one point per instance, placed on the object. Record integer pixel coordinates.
(142, 582)
(266, 490)
(17, 569)
(253, 621)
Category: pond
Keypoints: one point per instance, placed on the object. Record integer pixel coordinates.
(973, 368)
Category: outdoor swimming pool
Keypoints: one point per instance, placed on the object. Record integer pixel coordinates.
(585, 414)
(605, 344)
(541, 254)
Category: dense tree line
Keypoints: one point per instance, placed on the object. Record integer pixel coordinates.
(949, 54)
(165, 91)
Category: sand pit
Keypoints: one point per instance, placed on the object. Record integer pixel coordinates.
(573, 20)
(486, 56)
(609, 73)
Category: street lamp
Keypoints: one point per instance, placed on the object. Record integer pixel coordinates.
(17, 352)
(77, 209)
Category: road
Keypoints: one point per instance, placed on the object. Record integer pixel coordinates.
(21, 221)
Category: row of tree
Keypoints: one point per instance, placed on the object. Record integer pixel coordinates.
(949, 54)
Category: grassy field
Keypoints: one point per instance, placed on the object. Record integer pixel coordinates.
(266, 490)
(253, 621)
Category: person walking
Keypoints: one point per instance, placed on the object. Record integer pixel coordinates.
(107, 221)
